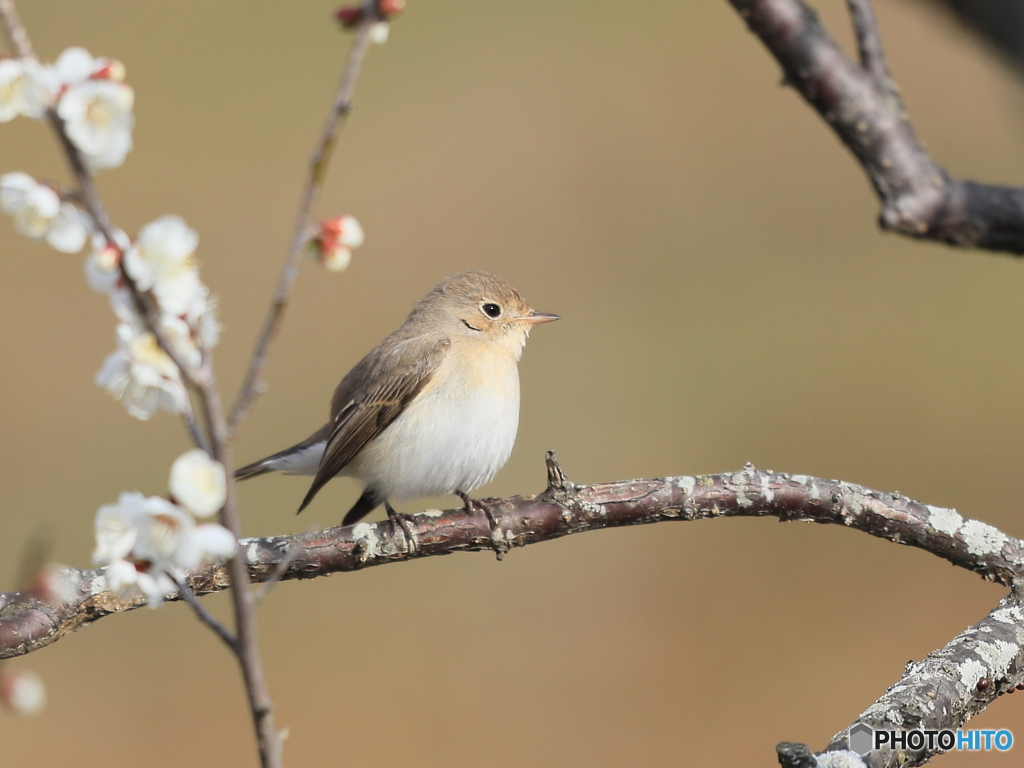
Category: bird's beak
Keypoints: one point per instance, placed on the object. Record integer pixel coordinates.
(539, 317)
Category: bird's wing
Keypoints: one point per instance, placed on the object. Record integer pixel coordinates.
(373, 395)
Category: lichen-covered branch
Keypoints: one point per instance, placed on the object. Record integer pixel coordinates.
(942, 692)
(27, 624)
(862, 107)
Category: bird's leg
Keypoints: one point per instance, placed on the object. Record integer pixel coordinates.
(472, 505)
(399, 520)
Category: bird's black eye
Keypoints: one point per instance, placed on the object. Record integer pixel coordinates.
(491, 310)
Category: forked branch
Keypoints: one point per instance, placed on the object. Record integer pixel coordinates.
(862, 107)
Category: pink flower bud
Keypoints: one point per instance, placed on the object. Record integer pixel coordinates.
(349, 15)
(333, 243)
(111, 69)
(108, 257)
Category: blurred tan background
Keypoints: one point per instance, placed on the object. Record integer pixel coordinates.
(726, 298)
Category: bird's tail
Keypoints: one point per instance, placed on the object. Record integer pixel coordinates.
(256, 468)
(302, 458)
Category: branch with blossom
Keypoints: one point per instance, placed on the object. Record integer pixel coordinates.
(167, 329)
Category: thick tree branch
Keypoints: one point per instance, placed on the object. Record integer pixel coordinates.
(26, 624)
(918, 197)
(942, 692)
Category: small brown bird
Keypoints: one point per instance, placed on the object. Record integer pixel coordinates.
(433, 409)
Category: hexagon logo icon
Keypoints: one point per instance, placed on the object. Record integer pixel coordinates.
(861, 738)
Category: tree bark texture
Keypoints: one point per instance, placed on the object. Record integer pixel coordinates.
(864, 110)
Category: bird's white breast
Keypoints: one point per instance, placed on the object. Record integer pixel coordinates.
(455, 435)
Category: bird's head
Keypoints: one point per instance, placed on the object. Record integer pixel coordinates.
(486, 307)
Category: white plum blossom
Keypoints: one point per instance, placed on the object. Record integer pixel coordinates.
(26, 88)
(98, 120)
(74, 65)
(198, 483)
(141, 375)
(332, 245)
(162, 534)
(77, 65)
(164, 248)
(70, 230)
(33, 206)
(336, 258)
(39, 213)
(101, 269)
(349, 230)
(206, 325)
(125, 578)
(163, 260)
(147, 544)
(115, 528)
(22, 691)
(177, 544)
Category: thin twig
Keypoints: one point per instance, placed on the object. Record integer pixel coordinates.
(21, 46)
(189, 417)
(869, 41)
(253, 385)
(246, 647)
(206, 617)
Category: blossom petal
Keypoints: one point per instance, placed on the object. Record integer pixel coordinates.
(98, 119)
(198, 483)
(75, 65)
(26, 88)
(117, 528)
(69, 230)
